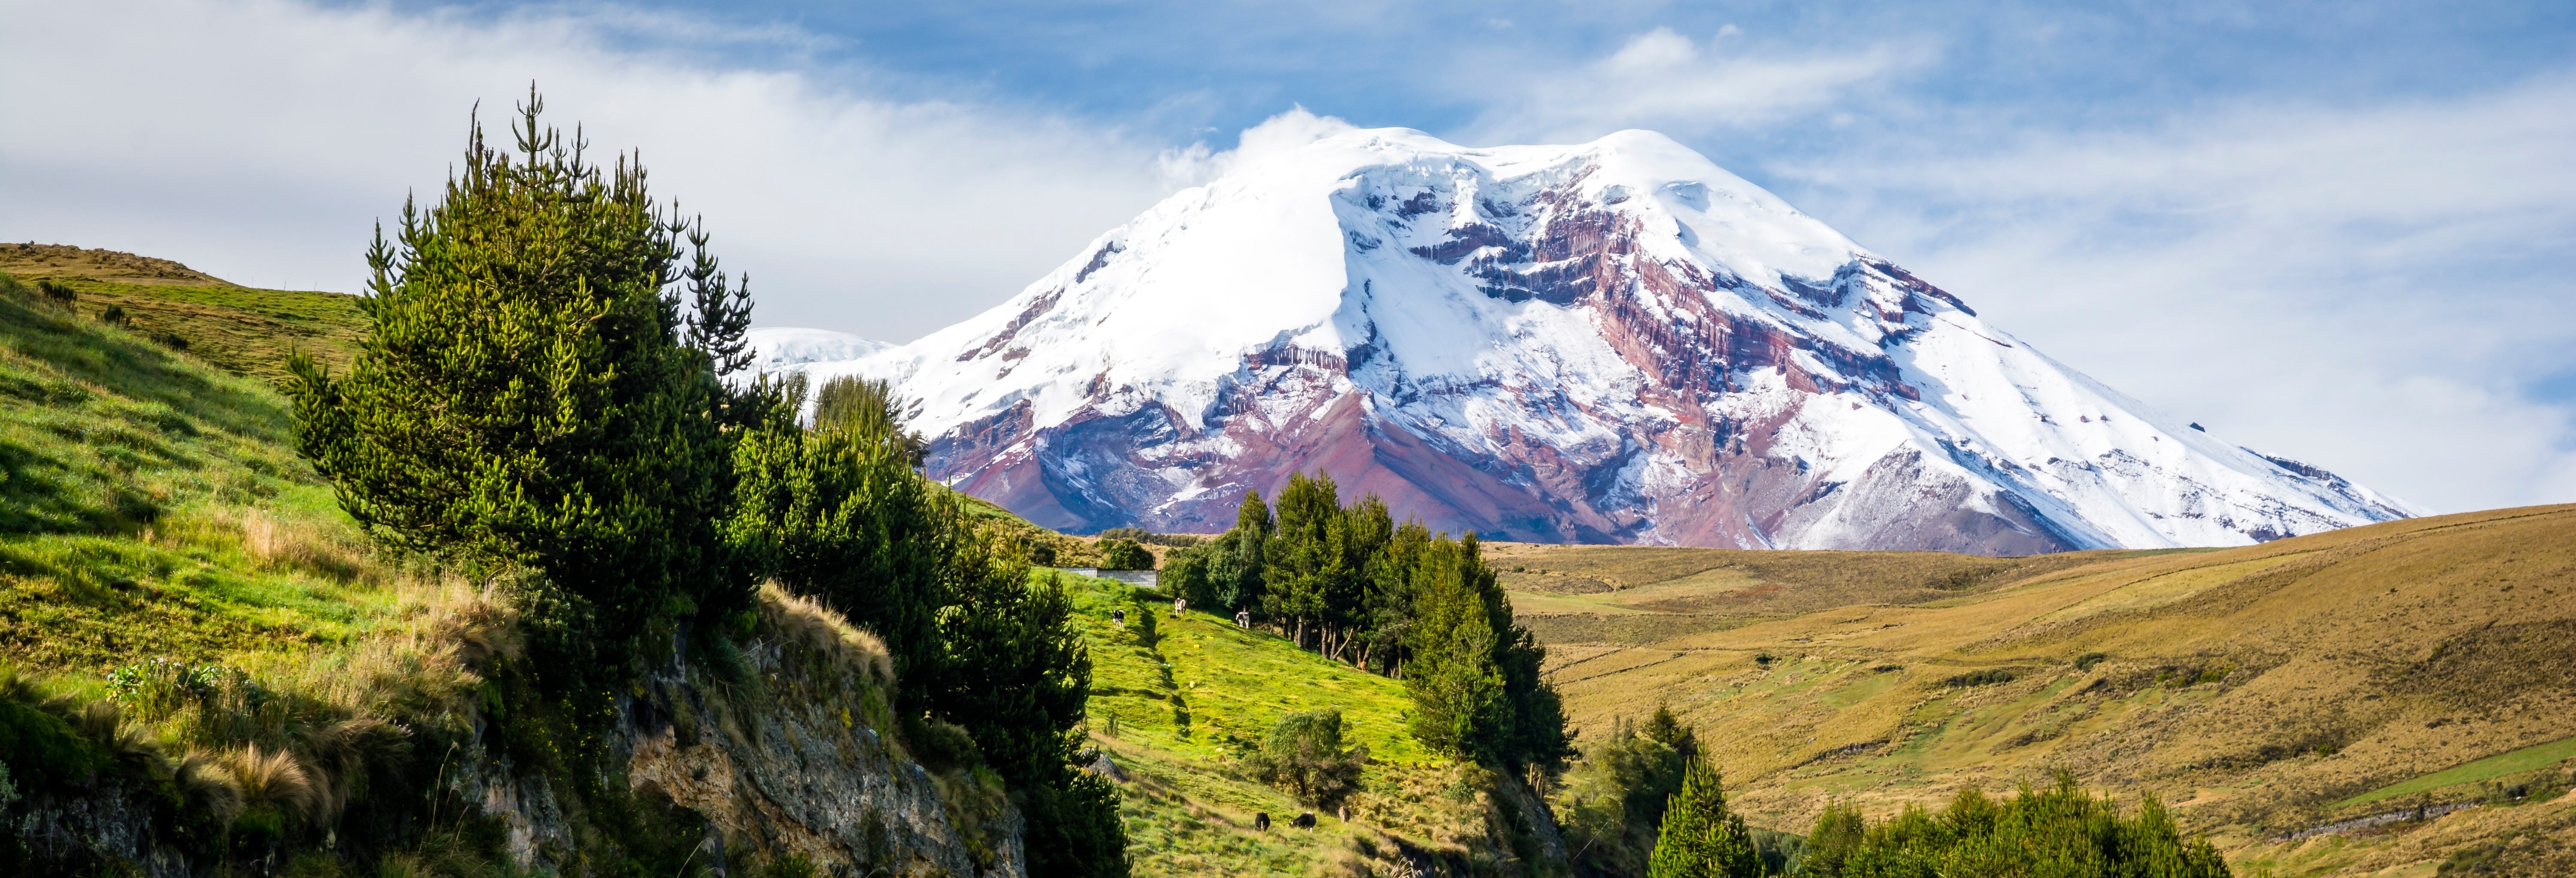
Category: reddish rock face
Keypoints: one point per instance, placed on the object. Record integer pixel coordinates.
(1098, 470)
(1557, 344)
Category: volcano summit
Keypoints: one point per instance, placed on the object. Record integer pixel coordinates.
(1610, 342)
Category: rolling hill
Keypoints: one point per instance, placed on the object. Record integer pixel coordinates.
(2262, 691)
(2280, 696)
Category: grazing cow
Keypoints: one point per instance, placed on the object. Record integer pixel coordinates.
(1118, 616)
(1304, 821)
(1261, 820)
(1179, 604)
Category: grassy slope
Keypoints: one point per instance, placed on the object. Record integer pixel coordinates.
(153, 506)
(236, 329)
(2260, 689)
(1188, 694)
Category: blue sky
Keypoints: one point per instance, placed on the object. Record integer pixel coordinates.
(2343, 232)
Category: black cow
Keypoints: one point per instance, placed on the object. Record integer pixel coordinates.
(1304, 821)
(1261, 820)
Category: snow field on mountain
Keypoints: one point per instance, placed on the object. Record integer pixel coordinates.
(1604, 312)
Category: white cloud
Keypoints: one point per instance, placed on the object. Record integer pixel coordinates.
(1665, 80)
(2374, 289)
(1278, 134)
(258, 141)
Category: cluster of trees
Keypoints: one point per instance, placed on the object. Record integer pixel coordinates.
(2057, 831)
(1612, 804)
(1351, 584)
(543, 386)
(2061, 830)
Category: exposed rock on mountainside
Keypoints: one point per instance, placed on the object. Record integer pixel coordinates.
(1610, 342)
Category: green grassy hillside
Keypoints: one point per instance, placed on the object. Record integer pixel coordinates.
(238, 330)
(153, 506)
(1177, 702)
(2260, 690)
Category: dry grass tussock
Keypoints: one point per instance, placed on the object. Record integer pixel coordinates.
(276, 542)
(295, 732)
(274, 779)
(825, 631)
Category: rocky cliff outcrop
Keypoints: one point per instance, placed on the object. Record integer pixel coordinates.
(778, 748)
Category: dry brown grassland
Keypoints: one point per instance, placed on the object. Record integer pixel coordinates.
(2253, 688)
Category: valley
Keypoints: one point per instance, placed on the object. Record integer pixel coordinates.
(2260, 691)
(2297, 700)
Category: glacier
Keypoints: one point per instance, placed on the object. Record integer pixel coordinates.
(1615, 341)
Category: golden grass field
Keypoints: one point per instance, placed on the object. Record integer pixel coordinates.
(2260, 690)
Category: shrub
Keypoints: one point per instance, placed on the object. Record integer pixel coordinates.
(113, 316)
(1984, 677)
(2086, 661)
(1305, 756)
(1614, 797)
(1124, 554)
(2060, 831)
(1073, 829)
(58, 293)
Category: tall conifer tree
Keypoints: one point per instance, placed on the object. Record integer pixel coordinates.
(531, 389)
(1700, 837)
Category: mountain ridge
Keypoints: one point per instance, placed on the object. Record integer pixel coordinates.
(1608, 342)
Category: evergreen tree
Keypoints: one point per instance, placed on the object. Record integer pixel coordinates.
(1304, 561)
(2058, 831)
(837, 512)
(1700, 838)
(1393, 591)
(525, 393)
(1458, 704)
(1614, 799)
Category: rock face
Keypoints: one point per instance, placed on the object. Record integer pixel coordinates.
(1610, 342)
(789, 768)
(792, 765)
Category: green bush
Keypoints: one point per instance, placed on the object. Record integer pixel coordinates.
(1124, 554)
(60, 294)
(1305, 757)
(1614, 797)
(1985, 677)
(2058, 831)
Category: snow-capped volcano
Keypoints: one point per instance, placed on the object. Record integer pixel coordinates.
(1616, 341)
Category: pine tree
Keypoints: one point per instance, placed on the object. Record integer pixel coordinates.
(1700, 838)
(1299, 559)
(525, 393)
(1458, 704)
(837, 512)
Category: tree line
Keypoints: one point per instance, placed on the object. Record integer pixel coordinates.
(1348, 582)
(543, 387)
(1645, 800)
